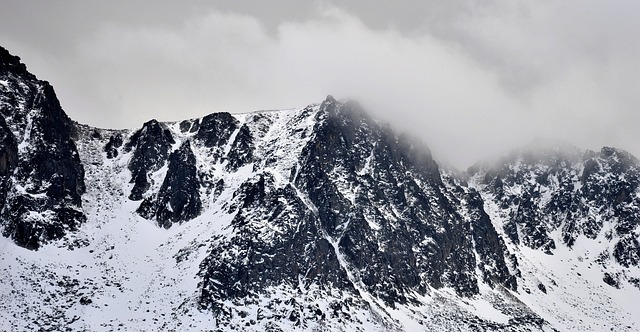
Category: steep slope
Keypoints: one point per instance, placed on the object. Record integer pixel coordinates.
(309, 219)
(572, 217)
(357, 214)
(41, 178)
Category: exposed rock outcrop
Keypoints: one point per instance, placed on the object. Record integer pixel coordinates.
(42, 177)
(179, 196)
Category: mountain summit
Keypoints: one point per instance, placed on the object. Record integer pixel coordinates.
(314, 219)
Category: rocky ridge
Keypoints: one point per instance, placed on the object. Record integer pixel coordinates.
(573, 193)
(42, 178)
(318, 218)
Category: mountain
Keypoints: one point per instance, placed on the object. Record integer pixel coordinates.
(314, 219)
(41, 175)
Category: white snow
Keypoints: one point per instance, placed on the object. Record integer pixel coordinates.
(130, 271)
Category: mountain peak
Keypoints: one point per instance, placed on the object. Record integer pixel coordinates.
(318, 218)
(41, 194)
(12, 64)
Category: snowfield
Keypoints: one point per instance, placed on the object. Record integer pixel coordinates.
(122, 272)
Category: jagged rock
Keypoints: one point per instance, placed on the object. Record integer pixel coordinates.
(8, 160)
(611, 280)
(241, 151)
(542, 288)
(115, 142)
(627, 251)
(352, 175)
(179, 196)
(313, 219)
(190, 126)
(571, 196)
(44, 160)
(216, 129)
(489, 246)
(151, 146)
(299, 250)
(577, 193)
(390, 175)
(8, 151)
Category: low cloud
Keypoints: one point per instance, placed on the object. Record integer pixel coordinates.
(469, 82)
(228, 62)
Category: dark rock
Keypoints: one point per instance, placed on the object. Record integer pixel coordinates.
(278, 258)
(241, 152)
(577, 186)
(216, 129)
(151, 146)
(400, 234)
(489, 245)
(11, 64)
(114, 143)
(402, 176)
(179, 196)
(47, 165)
(627, 251)
(190, 126)
(542, 288)
(611, 280)
(8, 149)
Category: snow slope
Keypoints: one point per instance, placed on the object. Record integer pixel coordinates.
(123, 272)
(312, 219)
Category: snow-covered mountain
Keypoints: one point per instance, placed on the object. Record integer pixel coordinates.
(313, 219)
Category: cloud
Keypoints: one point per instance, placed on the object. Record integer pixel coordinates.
(572, 64)
(228, 62)
(471, 78)
(204, 66)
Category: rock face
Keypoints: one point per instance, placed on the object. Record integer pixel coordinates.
(179, 196)
(241, 150)
(215, 130)
(576, 193)
(315, 219)
(362, 210)
(151, 146)
(298, 248)
(385, 207)
(496, 263)
(42, 177)
(112, 146)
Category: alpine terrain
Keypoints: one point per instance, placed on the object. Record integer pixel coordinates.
(312, 219)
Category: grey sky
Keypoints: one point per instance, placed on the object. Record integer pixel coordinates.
(469, 77)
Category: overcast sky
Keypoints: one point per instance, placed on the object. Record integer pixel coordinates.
(470, 78)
